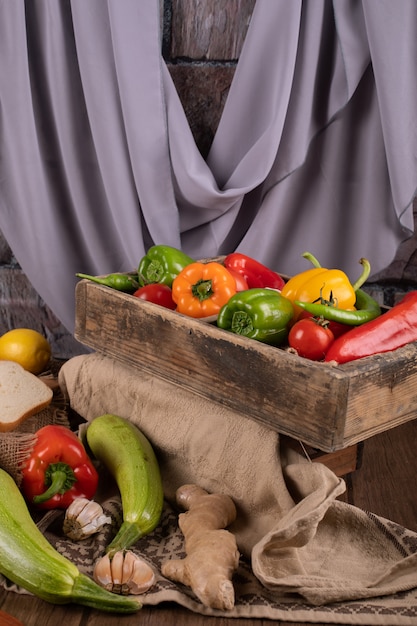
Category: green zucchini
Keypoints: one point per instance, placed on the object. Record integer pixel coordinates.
(29, 560)
(130, 459)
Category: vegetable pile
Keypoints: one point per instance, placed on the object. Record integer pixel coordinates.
(59, 472)
(317, 314)
(27, 558)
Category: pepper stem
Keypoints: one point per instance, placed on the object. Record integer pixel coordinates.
(242, 323)
(202, 289)
(310, 257)
(96, 279)
(59, 477)
(362, 278)
(155, 271)
(365, 274)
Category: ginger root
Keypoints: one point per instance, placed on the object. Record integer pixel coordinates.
(212, 554)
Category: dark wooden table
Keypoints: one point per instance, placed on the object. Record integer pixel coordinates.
(385, 484)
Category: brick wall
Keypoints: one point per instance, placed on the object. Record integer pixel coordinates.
(202, 40)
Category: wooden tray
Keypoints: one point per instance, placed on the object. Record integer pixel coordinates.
(327, 407)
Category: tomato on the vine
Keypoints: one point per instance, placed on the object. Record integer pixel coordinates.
(157, 293)
(310, 338)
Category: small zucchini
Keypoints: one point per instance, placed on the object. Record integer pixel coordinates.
(130, 458)
(29, 560)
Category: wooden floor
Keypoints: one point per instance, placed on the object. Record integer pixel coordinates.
(385, 484)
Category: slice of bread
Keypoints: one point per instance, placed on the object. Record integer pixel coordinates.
(22, 394)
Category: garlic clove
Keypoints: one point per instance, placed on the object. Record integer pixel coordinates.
(84, 518)
(117, 571)
(128, 566)
(125, 574)
(143, 577)
(102, 573)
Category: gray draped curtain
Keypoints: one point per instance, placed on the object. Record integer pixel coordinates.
(316, 148)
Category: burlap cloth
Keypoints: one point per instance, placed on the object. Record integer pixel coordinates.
(306, 556)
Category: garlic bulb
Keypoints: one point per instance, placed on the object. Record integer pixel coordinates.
(125, 574)
(84, 518)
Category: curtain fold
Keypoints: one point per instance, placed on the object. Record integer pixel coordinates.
(316, 147)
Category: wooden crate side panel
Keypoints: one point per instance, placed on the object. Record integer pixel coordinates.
(261, 382)
(383, 394)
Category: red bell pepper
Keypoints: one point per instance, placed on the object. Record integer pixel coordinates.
(58, 470)
(241, 282)
(389, 331)
(256, 274)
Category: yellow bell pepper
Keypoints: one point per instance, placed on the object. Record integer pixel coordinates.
(326, 286)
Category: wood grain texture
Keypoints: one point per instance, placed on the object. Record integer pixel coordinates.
(22, 307)
(8, 620)
(207, 30)
(385, 483)
(203, 90)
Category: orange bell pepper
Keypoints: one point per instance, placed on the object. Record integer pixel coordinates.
(201, 289)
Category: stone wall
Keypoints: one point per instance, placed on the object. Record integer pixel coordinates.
(201, 43)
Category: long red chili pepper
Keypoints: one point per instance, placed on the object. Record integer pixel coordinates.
(389, 331)
(58, 470)
(256, 274)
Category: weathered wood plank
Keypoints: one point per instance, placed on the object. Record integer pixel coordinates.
(385, 483)
(203, 90)
(22, 307)
(32, 611)
(209, 29)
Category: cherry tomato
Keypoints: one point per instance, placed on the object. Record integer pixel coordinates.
(310, 339)
(337, 328)
(241, 282)
(156, 293)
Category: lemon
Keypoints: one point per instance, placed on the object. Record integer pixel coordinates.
(27, 347)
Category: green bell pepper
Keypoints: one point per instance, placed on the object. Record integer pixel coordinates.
(161, 264)
(257, 313)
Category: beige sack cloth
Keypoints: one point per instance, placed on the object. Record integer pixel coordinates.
(299, 537)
